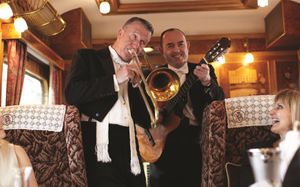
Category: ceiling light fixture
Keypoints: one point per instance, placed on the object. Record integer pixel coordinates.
(38, 14)
(5, 11)
(262, 3)
(20, 24)
(104, 7)
(249, 58)
(148, 49)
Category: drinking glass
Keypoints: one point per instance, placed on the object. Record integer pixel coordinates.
(265, 164)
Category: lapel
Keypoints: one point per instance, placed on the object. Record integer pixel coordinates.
(104, 57)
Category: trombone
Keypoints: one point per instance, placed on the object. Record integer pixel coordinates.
(153, 114)
(162, 84)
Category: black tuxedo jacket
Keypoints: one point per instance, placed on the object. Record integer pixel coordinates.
(90, 87)
(292, 176)
(200, 95)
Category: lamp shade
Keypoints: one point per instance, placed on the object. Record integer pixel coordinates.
(20, 24)
(104, 7)
(5, 11)
(249, 58)
(148, 49)
(262, 3)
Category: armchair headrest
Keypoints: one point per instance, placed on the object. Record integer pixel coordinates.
(249, 111)
(34, 117)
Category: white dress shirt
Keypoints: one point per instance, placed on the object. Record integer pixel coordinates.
(188, 109)
(120, 112)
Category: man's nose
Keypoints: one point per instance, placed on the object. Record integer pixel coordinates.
(135, 45)
(176, 48)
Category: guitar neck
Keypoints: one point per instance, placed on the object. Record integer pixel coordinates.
(184, 88)
(216, 51)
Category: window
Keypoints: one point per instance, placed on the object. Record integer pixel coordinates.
(32, 92)
(35, 86)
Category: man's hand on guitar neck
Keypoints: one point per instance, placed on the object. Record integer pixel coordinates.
(202, 73)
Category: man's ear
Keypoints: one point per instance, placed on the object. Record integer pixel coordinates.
(188, 44)
(121, 32)
(161, 50)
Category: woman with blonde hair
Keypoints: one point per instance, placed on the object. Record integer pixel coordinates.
(284, 114)
(14, 163)
(285, 111)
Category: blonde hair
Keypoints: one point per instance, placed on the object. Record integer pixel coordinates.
(291, 98)
(8, 165)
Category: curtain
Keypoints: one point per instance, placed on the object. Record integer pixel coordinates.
(16, 58)
(55, 93)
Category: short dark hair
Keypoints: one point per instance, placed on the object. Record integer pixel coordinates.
(146, 23)
(169, 30)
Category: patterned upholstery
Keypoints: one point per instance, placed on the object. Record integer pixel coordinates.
(57, 157)
(213, 140)
(221, 144)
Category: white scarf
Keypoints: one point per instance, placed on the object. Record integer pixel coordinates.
(102, 129)
(102, 141)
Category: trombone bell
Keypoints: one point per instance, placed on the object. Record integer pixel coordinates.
(163, 83)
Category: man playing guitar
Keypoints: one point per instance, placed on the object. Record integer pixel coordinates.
(180, 162)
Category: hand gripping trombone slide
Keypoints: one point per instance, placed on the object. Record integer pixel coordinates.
(153, 114)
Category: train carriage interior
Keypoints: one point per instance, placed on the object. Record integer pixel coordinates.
(40, 37)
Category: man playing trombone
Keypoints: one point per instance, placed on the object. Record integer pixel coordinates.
(98, 84)
(180, 162)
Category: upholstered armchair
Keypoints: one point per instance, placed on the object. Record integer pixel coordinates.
(223, 143)
(55, 149)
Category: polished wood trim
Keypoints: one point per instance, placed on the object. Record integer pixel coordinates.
(178, 6)
(202, 43)
(96, 42)
(78, 33)
(9, 31)
(35, 43)
(283, 26)
(262, 56)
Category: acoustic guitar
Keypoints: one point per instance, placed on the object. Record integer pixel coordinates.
(152, 141)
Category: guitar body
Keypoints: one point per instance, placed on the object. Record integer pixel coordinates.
(151, 153)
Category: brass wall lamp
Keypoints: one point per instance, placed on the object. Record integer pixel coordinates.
(38, 14)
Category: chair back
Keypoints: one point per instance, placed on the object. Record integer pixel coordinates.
(57, 157)
(222, 144)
